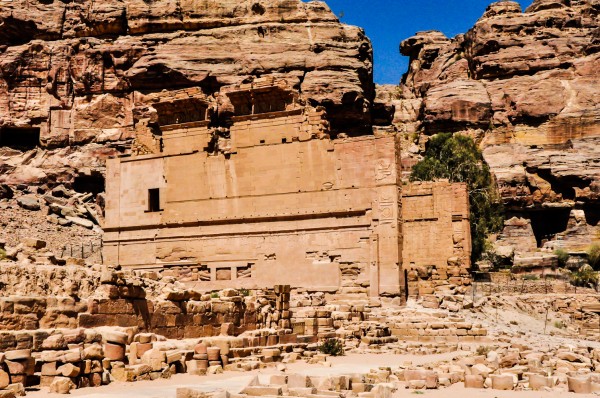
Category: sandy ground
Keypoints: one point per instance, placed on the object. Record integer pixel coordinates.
(235, 381)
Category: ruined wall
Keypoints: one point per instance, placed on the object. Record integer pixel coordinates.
(436, 237)
(268, 208)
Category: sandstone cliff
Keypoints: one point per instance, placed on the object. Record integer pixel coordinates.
(526, 85)
(71, 72)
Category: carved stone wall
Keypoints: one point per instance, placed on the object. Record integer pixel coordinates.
(437, 239)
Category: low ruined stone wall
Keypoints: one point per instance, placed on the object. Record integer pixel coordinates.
(510, 284)
(31, 313)
(118, 300)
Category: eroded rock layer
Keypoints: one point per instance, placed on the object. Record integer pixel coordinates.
(525, 84)
(70, 71)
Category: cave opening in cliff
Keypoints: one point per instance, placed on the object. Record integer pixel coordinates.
(93, 183)
(547, 223)
(592, 214)
(21, 138)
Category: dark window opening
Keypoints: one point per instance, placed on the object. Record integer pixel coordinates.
(22, 139)
(154, 200)
(183, 111)
(262, 141)
(547, 223)
(283, 140)
(93, 184)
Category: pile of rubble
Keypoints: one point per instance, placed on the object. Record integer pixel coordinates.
(513, 367)
(64, 206)
(67, 222)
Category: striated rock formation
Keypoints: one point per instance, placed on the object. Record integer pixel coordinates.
(72, 72)
(525, 84)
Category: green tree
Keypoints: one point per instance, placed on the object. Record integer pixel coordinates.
(458, 159)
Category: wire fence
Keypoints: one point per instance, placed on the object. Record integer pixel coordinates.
(83, 250)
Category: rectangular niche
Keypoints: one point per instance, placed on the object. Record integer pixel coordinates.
(21, 138)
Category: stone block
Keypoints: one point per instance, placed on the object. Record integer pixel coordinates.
(503, 382)
(115, 337)
(214, 353)
(197, 367)
(69, 370)
(279, 380)
(4, 379)
(298, 381)
(62, 385)
(538, 382)
(257, 391)
(580, 384)
(16, 355)
(474, 381)
(114, 352)
(122, 374)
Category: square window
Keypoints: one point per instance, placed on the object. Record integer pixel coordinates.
(154, 200)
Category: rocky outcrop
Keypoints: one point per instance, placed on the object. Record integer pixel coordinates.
(71, 73)
(525, 85)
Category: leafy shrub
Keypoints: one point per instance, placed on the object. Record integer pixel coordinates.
(458, 159)
(2, 254)
(593, 255)
(483, 350)
(489, 254)
(563, 257)
(531, 277)
(585, 277)
(244, 292)
(559, 324)
(333, 347)
(214, 295)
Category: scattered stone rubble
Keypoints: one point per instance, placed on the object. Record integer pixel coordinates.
(57, 226)
(510, 367)
(62, 336)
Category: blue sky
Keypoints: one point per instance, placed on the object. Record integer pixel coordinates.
(388, 22)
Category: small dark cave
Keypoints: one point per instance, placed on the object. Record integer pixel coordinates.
(93, 183)
(547, 223)
(564, 185)
(592, 214)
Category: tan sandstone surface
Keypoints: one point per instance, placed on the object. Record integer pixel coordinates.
(523, 81)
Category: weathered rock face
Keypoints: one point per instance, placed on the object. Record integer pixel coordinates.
(525, 84)
(71, 73)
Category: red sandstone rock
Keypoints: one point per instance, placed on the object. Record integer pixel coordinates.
(80, 91)
(17, 355)
(474, 381)
(4, 379)
(503, 382)
(214, 353)
(62, 385)
(523, 84)
(114, 352)
(200, 348)
(580, 385)
(69, 370)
